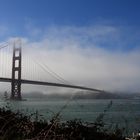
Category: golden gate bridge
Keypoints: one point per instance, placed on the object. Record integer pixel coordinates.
(16, 79)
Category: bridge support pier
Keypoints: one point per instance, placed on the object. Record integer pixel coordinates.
(16, 73)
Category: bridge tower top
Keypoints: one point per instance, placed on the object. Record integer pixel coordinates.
(16, 71)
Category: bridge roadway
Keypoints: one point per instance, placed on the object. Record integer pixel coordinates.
(23, 81)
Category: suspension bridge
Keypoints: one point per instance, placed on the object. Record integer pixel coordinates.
(17, 68)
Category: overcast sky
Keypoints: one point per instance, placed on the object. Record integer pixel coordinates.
(95, 43)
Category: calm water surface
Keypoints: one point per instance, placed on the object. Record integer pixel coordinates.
(122, 112)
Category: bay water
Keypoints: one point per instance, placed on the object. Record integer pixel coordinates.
(121, 113)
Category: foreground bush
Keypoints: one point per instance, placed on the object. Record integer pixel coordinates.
(16, 126)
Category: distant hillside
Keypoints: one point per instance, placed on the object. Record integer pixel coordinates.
(84, 95)
(79, 95)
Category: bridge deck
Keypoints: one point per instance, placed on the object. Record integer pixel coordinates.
(24, 81)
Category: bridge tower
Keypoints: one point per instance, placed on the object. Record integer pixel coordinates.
(16, 72)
